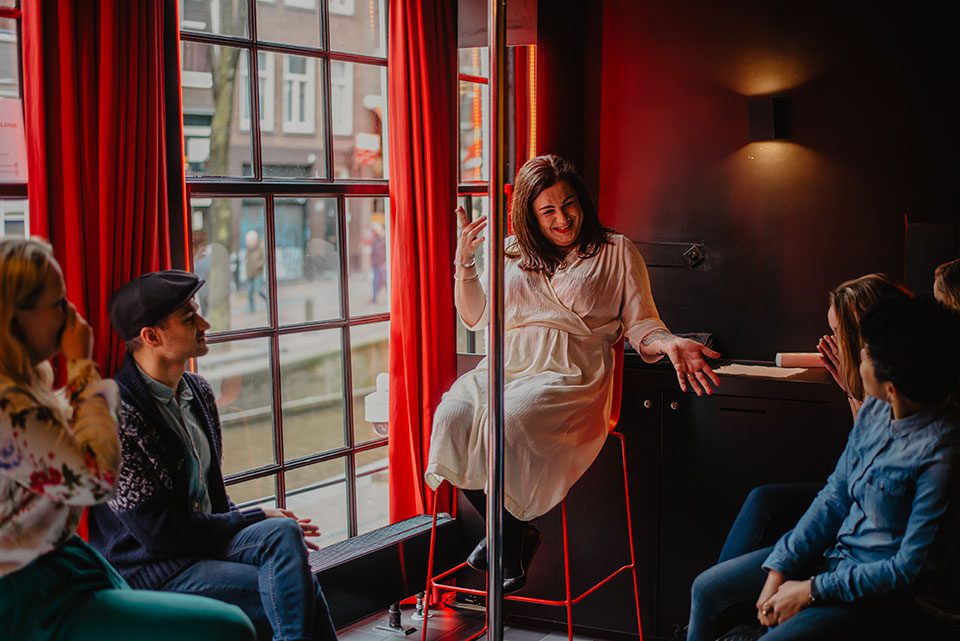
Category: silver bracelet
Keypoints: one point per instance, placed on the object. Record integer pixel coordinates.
(468, 279)
(472, 263)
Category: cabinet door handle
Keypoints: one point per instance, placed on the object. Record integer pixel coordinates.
(674, 405)
(647, 404)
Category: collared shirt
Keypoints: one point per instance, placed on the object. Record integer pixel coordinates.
(888, 517)
(176, 410)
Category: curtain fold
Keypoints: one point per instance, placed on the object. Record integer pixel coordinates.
(423, 143)
(95, 110)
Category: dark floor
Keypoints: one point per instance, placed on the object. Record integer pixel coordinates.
(445, 624)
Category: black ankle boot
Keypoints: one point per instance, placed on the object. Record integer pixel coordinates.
(515, 573)
(478, 557)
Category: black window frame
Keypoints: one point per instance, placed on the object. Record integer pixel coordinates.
(271, 189)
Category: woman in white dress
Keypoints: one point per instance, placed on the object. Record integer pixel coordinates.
(572, 289)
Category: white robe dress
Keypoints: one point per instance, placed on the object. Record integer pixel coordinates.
(559, 334)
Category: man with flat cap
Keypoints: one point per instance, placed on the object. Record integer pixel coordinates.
(171, 525)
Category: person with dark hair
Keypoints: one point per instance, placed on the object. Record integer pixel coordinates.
(573, 288)
(871, 556)
(946, 284)
(172, 526)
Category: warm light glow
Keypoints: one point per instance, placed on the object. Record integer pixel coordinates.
(532, 84)
(766, 72)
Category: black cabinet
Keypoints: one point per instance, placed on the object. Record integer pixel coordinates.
(714, 450)
(691, 462)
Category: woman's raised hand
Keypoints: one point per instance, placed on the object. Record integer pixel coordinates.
(77, 339)
(469, 238)
(830, 355)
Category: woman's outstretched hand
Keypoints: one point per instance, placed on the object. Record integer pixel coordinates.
(469, 238)
(688, 358)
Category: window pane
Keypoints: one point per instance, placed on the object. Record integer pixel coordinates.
(368, 257)
(295, 22)
(474, 61)
(266, 70)
(14, 217)
(14, 229)
(359, 104)
(308, 259)
(225, 17)
(213, 90)
(9, 59)
(373, 500)
(357, 27)
(230, 254)
(311, 375)
(473, 128)
(297, 148)
(369, 356)
(319, 492)
(256, 493)
(240, 374)
(474, 342)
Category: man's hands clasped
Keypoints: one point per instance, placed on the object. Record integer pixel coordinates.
(308, 528)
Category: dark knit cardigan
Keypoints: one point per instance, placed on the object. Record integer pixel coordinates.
(149, 530)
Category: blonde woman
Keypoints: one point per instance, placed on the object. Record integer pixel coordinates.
(59, 452)
(840, 350)
(946, 286)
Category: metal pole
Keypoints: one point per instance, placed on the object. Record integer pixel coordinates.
(497, 40)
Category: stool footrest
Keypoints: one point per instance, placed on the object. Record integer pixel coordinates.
(435, 584)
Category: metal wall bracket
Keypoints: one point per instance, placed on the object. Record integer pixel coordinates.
(687, 255)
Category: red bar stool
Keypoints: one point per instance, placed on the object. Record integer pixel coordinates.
(436, 583)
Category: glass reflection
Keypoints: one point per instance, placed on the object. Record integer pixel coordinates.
(229, 252)
(240, 374)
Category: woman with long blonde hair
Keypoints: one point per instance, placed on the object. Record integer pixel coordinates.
(840, 350)
(59, 452)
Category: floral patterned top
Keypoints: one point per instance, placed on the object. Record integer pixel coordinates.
(51, 466)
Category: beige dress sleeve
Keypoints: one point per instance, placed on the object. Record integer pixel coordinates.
(638, 311)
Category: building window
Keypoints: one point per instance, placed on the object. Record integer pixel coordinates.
(341, 97)
(296, 260)
(298, 94)
(14, 218)
(265, 67)
(342, 7)
(301, 4)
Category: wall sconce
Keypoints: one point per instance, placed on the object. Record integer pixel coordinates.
(768, 117)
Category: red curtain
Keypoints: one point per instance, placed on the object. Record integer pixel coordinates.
(95, 109)
(423, 187)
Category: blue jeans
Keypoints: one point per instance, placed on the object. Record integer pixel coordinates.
(734, 585)
(726, 594)
(255, 288)
(263, 570)
(767, 513)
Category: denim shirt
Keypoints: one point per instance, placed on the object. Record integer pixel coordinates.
(888, 516)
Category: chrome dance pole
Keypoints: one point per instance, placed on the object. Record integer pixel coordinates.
(497, 40)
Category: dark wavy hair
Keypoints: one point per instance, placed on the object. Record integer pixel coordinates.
(912, 343)
(532, 247)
